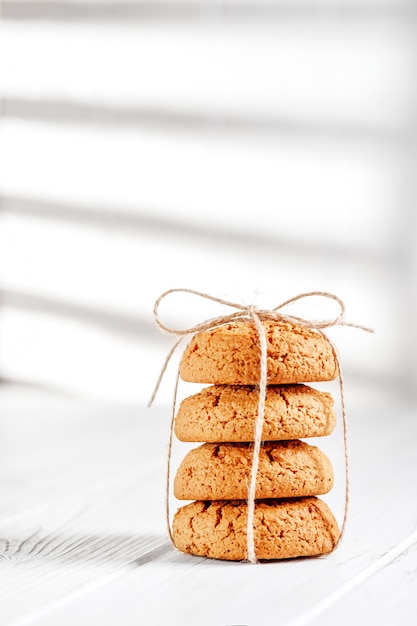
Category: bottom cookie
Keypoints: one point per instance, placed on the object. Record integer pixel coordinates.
(283, 529)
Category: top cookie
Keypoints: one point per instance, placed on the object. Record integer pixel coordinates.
(230, 355)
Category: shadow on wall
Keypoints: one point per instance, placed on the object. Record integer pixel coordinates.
(243, 10)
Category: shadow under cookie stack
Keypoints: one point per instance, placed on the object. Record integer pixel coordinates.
(289, 519)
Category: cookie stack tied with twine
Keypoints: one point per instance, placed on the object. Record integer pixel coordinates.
(253, 483)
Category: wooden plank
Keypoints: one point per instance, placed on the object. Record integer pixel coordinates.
(102, 552)
(76, 543)
(77, 489)
(390, 596)
(56, 446)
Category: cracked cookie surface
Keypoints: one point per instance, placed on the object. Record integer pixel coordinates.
(283, 529)
(287, 469)
(228, 413)
(230, 354)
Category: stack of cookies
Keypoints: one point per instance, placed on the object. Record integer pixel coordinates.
(289, 520)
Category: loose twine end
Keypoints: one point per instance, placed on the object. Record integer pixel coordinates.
(255, 315)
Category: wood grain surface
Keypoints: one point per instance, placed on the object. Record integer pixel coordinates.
(83, 538)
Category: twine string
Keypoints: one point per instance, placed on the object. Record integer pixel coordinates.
(250, 528)
(345, 440)
(168, 470)
(244, 312)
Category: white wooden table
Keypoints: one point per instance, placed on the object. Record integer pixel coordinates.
(83, 538)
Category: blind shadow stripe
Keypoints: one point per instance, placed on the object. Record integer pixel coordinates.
(131, 326)
(144, 224)
(25, 10)
(55, 111)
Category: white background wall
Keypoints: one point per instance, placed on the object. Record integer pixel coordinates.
(251, 150)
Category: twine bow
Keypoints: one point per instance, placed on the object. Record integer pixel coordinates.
(252, 313)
